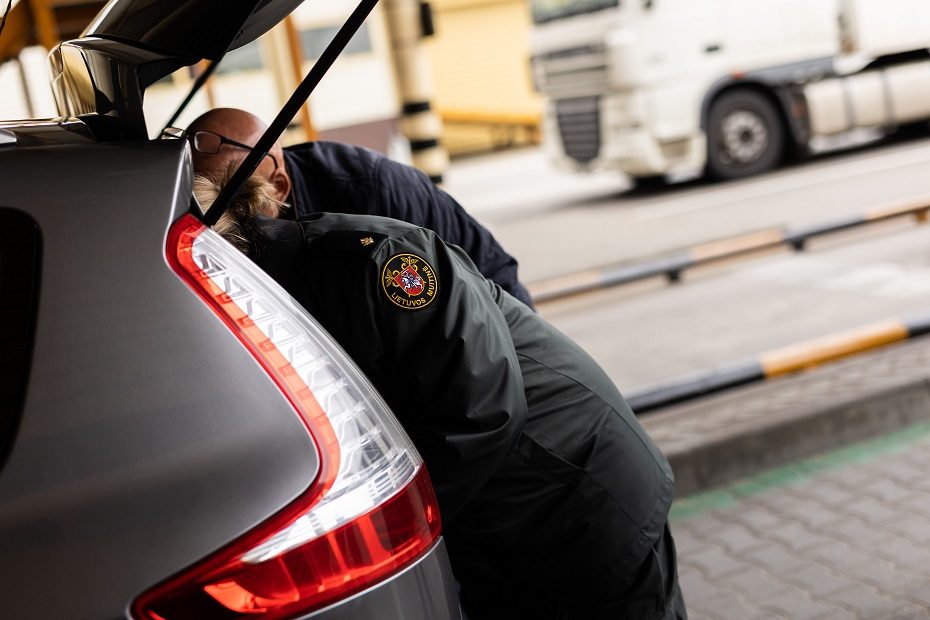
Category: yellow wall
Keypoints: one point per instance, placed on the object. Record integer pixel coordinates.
(480, 61)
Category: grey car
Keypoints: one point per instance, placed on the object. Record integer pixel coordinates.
(178, 438)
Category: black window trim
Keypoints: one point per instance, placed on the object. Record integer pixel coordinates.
(20, 272)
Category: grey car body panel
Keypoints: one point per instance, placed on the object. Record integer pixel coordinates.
(149, 437)
(424, 591)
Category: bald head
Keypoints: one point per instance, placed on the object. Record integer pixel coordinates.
(244, 128)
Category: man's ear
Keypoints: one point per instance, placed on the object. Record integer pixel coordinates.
(281, 183)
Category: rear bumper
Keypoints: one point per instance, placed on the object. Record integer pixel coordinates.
(424, 591)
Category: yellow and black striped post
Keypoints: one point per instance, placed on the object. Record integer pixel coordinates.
(419, 123)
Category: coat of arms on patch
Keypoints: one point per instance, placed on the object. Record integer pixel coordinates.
(409, 281)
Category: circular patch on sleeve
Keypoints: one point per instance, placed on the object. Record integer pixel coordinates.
(409, 281)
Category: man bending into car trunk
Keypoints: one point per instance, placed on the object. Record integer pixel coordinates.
(330, 176)
(554, 499)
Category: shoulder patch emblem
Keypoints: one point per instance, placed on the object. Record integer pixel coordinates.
(409, 282)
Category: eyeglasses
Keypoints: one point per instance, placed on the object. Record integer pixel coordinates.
(210, 143)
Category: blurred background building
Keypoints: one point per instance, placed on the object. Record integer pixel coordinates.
(482, 74)
(478, 62)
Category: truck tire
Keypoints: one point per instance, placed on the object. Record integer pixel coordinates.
(745, 135)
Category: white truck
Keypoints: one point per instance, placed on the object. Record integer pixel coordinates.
(730, 87)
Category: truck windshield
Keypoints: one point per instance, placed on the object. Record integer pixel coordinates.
(548, 10)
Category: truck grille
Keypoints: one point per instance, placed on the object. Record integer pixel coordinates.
(580, 127)
(575, 71)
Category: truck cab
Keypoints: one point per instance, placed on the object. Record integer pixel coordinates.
(654, 87)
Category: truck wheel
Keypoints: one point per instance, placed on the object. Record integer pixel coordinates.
(745, 135)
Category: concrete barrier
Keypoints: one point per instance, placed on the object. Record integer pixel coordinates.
(781, 361)
(673, 265)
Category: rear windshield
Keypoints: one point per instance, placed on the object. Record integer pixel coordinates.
(20, 253)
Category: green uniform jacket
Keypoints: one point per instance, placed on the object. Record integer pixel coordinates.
(543, 474)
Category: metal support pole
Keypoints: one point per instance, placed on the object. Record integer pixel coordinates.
(205, 73)
(419, 123)
(206, 67)
(296, 57)
(46, 30)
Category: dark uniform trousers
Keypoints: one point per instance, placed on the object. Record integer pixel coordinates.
(652, 592)
(554, 500)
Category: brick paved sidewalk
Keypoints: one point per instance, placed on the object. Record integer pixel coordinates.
(739, 432)
(845, 535)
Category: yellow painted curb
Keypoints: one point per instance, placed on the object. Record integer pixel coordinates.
(835, 346)
(744, 243)
(918, 207)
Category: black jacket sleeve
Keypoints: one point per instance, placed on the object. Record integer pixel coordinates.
(410, 196)
(341, 178)
(449, 369)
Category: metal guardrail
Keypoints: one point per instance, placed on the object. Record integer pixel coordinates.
(770, 364)
(673, 265)
(778, 362)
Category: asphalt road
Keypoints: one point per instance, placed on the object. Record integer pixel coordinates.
(557, 223)
(651, 332)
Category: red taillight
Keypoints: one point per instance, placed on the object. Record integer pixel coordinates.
(371, 510)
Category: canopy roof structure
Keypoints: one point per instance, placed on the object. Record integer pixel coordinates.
(45, 23)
